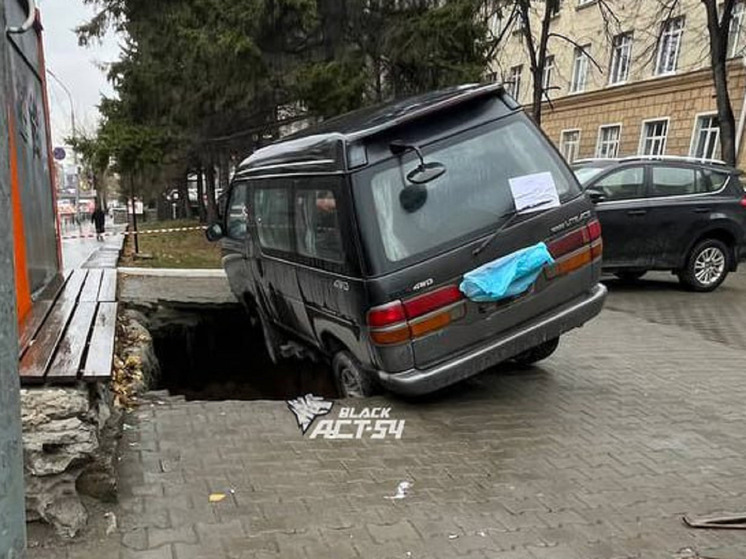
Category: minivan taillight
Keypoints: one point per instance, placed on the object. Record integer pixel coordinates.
(402, 321)
(386, 315)
(575, 249)
(431, 301)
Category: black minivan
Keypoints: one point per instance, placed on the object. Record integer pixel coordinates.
(350, 240)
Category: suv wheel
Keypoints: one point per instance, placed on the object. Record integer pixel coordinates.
(630, 275)
(537, 353)
(351, 379)
(706, 266)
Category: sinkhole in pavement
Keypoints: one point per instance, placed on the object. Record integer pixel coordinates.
(212, 352)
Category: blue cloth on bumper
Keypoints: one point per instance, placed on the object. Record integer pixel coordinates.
(508, 276)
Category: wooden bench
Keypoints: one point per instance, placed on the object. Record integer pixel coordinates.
(69, 334)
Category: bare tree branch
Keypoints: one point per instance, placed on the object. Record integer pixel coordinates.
(579, 47)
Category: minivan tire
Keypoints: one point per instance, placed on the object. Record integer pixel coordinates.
(707, 266)
(537, 353)
(351, 379)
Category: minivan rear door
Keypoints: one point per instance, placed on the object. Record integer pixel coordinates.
(417, 249)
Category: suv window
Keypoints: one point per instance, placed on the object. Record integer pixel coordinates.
(713, 181)
(237, 219)
(317, 225)
(623, 185)
(272, 211)
(673, 181)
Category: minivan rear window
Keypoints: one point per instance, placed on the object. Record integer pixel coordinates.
(471, 197)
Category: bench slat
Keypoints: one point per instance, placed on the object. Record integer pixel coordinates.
(74, 285)
(69, 353)
(91, 286)
(36, 359)
(31, 324)
(108, 291)
(101, 349)
(39, 311)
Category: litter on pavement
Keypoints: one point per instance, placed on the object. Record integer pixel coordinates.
(401, 490)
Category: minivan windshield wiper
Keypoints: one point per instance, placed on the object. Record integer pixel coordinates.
(511, 215)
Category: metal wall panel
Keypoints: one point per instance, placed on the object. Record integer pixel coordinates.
(32, 152)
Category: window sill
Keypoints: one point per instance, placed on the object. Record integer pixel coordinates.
(665, 74)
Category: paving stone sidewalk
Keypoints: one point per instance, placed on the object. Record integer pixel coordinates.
(595, 454)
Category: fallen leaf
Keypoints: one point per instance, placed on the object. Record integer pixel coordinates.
(216, 497)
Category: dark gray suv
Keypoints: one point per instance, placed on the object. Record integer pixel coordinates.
(668, 213)
(351, 239)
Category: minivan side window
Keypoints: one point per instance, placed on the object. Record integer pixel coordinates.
(317, 230)
(272, 215)
(237, 219)
(673, 181)
(623, 185)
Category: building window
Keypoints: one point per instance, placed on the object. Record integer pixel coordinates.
(546, 81)
(570, 144)
(491, 77)
(734, 31)
(706, 137)
(556, 6)
(514, 85)
(621, 51)
(653, 139)
(579, 69)
(669, 46)
(608, 141)
(584, 2)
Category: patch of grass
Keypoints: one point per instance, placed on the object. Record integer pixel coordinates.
(182, 249)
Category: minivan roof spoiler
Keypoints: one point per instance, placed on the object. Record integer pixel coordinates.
(321, 148)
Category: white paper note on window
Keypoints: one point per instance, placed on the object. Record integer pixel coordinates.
(534, 192)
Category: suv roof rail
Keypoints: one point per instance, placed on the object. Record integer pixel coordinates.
(593, 159)
(686, 158)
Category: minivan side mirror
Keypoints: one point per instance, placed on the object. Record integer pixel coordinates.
(214, 232)
(596, 195)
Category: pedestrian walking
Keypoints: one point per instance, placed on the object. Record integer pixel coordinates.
(98, 217)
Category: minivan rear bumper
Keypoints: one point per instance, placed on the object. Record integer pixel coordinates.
(530, 334)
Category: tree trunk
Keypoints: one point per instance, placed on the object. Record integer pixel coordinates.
(201, 209)
(224, 172)
(718, 31)
(184, 211)
(725, 114)
(537, 53)
(212, 211)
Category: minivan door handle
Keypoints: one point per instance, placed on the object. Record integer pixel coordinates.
(702, 210)
(637, 212)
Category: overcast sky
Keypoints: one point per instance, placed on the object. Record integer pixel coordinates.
(75, 66)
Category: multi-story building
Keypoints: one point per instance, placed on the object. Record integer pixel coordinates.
(628, 77)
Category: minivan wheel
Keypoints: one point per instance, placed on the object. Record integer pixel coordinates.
(351, 379)
(706, 267)
(537, 353)
(630, 275)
